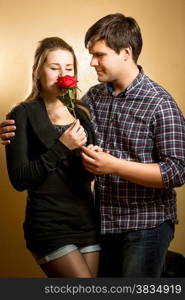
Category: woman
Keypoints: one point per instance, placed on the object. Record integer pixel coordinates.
(44, 159)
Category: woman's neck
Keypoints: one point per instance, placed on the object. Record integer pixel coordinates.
(57, 111)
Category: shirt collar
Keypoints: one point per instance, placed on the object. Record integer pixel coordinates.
(137, 81)
(110, 89)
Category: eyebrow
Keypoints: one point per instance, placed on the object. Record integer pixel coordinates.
(96, 52)
(59, 64)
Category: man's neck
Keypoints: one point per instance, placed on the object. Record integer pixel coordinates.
(126, 80)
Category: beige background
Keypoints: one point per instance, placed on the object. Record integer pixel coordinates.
(22, 24)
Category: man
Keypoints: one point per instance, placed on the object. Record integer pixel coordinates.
(142, 134)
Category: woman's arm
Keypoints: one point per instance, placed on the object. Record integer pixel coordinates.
(25, 173)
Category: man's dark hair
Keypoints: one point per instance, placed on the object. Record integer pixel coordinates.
(118, 31)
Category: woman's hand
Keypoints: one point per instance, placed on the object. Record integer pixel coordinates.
(74, 137)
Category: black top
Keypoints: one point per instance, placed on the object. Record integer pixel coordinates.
(61, 128)
(60, 208)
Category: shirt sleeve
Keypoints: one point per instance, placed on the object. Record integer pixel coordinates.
(170, 143)
(23, 172)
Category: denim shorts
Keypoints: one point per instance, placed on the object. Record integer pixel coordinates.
(60, 252)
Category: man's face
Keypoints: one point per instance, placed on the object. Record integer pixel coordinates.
(108, 64)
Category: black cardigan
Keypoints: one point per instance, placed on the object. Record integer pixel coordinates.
(60, 208)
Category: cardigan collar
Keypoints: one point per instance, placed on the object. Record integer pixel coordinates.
(44, 129)
(40, 122)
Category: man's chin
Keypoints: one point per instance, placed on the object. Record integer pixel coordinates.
(101, 79)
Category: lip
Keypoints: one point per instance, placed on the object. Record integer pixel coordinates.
(99, 71)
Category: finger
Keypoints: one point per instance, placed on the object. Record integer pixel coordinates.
(7, 129)
(90, 153)
(90, 146)
(89, 167)
(87, 159)
(80, 129)
(7, 122)
(76, 125)
(95, 148)
(98, 149)
(82, 134)
(5, 136)
(84, 141)
(6, 142)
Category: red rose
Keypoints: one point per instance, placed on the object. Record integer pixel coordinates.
(67, 82)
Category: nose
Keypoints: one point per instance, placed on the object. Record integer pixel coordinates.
(94, 62)
(60, 73)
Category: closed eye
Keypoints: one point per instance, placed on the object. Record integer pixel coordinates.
(54, 68)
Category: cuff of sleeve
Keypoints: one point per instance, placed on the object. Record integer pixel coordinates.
(163, 171)
(56, 153)
(59, 151)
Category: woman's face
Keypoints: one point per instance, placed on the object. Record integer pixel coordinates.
(58, 63)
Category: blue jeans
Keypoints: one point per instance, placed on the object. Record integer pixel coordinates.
(139, 253)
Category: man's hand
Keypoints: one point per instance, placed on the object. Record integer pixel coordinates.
(94, 148)
(98, 162)
(7, 129)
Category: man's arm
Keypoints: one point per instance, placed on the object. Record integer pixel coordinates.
(148, 175)
(168, 166)
(7, 129)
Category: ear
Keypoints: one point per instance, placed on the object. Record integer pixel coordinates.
(126, 53)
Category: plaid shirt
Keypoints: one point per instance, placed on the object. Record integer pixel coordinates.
(141, 124)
